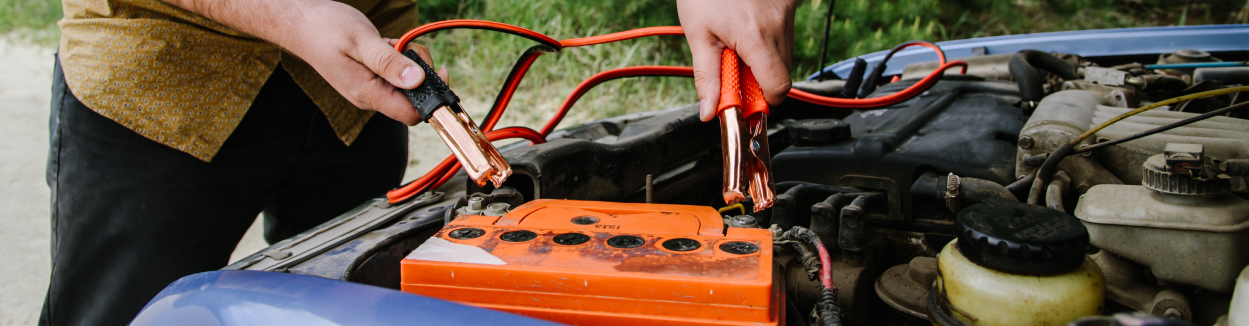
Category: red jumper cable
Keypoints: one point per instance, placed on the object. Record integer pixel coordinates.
(443, 172)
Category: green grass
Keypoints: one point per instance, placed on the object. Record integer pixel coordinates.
(31, 19)
(479, 60)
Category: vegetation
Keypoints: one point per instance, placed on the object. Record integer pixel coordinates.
(479, 60)
(31, 19)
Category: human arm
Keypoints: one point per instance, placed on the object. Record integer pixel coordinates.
(338, 41)
(760, 31)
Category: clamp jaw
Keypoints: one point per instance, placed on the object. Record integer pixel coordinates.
(743, 117)
(438, 106)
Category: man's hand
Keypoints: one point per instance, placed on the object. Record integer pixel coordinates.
(760, 31)
(335, 39)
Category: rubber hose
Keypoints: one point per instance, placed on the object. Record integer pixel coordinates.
(1046, 171)
(1235, 167)
(1023, 66)
(1054, 195)
(855, 79)
(971, 190)
(1229, 75)
(830, 312)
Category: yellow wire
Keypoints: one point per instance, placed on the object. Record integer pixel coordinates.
(731, 207)
(1099, 127)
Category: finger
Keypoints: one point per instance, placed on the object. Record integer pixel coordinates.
(706, 57)
(422, 52)
(389, 64)
(445, 75)
(768, 61)
(397, 106)
(379, 95)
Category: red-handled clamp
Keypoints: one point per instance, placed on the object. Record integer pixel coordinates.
(744, 135)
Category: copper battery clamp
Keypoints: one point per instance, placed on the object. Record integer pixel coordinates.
(743, 117)
(437, 105)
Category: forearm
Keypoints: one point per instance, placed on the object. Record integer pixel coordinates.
(275, 21)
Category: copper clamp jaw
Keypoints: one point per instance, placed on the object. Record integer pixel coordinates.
(437, 105)
(743, 114)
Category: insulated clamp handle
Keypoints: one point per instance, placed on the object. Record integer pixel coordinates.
(432, 94)
(738, 86)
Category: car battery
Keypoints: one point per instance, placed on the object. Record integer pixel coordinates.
(603, 263)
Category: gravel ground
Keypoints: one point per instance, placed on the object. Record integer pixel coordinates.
(25, 84)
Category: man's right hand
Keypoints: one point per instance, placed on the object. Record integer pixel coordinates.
(335, 39)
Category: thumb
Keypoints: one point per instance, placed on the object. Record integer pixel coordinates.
(706, 77)
(384, 61)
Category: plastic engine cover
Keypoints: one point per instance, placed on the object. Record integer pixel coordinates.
(603, 263)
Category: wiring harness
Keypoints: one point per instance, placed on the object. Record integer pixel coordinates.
(546, 44)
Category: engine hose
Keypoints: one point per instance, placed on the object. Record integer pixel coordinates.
(1046, 171)
(1023, 66)
(1235, 167)
(970, 191)
(830, 311)
(1055, 191)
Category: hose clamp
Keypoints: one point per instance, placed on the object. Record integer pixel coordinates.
(953, 182)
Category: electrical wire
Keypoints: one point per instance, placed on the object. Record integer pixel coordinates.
(914, 43)
(826, 266)
(1156, 105)
(1173, 125)
(547, 44)
(1048, 168)
(449, 166)
(739, 206)
(871, 102)
(828, 21)
(585, 86)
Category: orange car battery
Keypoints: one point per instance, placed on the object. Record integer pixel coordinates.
(603, 263)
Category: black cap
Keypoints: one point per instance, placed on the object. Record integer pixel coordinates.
(1021, 238)
(812, 132)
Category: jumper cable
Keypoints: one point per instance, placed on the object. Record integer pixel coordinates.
(443, 172)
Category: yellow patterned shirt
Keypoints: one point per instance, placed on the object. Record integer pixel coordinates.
(186, 81)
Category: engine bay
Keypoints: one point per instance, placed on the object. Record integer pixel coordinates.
(964, 205)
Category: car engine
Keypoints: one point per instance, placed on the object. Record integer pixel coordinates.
(965, 205)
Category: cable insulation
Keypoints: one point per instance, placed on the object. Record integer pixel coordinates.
(441, 173)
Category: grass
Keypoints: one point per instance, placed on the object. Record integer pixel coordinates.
(34, 20)
(479, 60)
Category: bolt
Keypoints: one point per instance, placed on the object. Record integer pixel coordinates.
(754, 145)
(476, 203)
(1172, 313)
(1083, 187)
(1026, 142)
(744, 221)
(496, 209)
(1085, 154)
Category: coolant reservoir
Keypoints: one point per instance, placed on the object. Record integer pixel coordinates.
(1016, 264)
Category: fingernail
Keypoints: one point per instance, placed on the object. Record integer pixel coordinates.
(410, 76)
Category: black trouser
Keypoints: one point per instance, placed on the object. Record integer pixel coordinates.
(130, 216)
